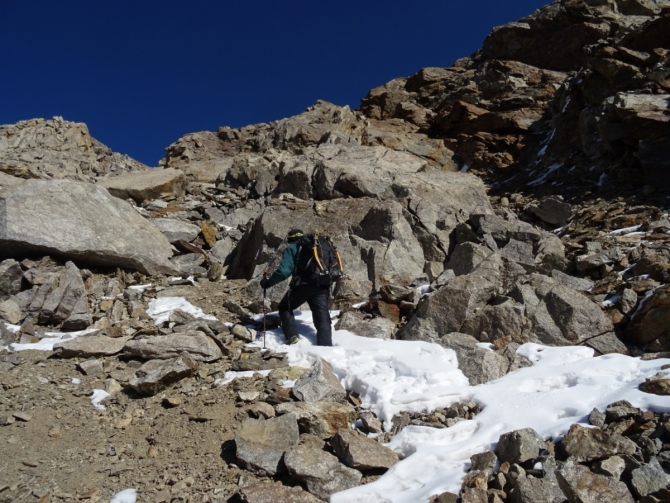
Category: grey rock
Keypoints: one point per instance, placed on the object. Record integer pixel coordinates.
(649, 478)
(11, 276)
(474, 495)
(588, 262)
(10, 312)
(466, 257)
(274, 493)
(319, 384)
(376, 328)
(322, 419)
(581, 485)
(242, 333)
(499, 320)
(519, 446)
(628, 301)
(621, 410)
(196, 344)
(261, 444)
(7, 337)
(580, 284)
(90, 346)
(223, 249)
(320, 471)
(611, 467)
(360, 452)
(529, 489)
(202, 156)
(81, 222)
(520, 252)
(156, 375)
(189, 264)
(483, 461)
(607, 343)
(146, 185)
(370, 422)
(552, 210)
(597, 418)
(176, 230)
(589, 444)
(91, 367)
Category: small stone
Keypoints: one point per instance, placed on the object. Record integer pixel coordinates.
(90, 367)
(248, 396)
(123, 423)
(656, 386)
(7, 420)
(22, 416)
(261, 409)
(242, 333)
(208, 233)
(597, 418)
(55, 432)
(30, 463)
(370, 422)
(610, 467)
(172, 401)
(112, 386)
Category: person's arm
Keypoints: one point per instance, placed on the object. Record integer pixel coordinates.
(286, 267)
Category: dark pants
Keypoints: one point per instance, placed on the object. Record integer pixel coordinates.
(317, 298)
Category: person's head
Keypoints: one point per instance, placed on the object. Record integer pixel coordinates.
(294, 235)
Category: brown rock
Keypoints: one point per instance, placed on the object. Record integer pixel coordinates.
(360, 452)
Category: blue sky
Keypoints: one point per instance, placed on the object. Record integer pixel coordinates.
(142, 73)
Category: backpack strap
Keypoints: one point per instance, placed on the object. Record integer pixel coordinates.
(316, 251)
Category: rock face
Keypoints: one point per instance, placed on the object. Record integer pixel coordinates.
(60, 300)
(319, 384)
(81, 222)
(53, 149)
(199, 346)
(321, 472)
(261, 444)
(146, 185)
(154, 376)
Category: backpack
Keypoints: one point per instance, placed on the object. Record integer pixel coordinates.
(318, 262)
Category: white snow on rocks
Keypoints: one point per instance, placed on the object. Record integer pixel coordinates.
(98, 396)
(125, 496)
(47, 343)
(562, 387)
(160, 309)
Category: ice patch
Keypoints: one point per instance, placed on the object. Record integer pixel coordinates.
(161, 308)
(76, 380)
(542, 178)
(423, 290)
(125, 496)
(464, 169)
(611, 301)
(98, 396)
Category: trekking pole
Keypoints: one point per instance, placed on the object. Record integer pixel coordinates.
(265, 293)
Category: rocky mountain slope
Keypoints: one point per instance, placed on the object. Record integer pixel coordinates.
(517, 196)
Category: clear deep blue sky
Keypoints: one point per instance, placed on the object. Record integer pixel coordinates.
(142, 73)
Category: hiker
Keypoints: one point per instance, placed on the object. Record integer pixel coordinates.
(310, 283)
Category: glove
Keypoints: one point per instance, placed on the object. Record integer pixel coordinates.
(264, 283)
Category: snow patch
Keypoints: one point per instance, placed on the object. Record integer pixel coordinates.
(47, 343)
(98, 396)
(125, 496)
(161, 308)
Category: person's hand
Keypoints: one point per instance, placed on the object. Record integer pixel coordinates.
(264, 283)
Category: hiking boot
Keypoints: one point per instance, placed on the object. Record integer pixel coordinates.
(292, 340)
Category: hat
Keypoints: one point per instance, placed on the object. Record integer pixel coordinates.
(294, 234)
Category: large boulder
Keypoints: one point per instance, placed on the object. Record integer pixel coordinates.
(90, 346)
(578, 483)
(319, 384)
(81, 222)
(650, 323)
(176, 230)
(261, 444)
(146, 185)
(156, 375)
(360, 452)
(11, 276)
(322, 419)
(199, 346)
(320, 471)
